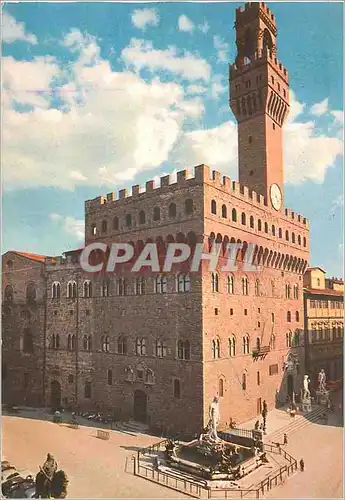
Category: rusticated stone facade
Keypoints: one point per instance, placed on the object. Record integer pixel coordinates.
(159, 347)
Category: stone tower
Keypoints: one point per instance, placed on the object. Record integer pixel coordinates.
(259, 99)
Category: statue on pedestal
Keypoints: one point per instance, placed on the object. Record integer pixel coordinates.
(214, 416)
(322, 380)
(306, 391)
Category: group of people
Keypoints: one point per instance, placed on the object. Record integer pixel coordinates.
(49, 481)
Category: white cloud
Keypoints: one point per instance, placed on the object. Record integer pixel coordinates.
(196, 89)
(70, 225)
(142, 18)
(221, 47)
(337, 203)
(185, 24)
(204, 27)
(319, 108)
(84, 44)
(140, 54)
(218, 87)
(13, 30)
(338, 117)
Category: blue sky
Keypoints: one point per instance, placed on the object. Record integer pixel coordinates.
(105, 69)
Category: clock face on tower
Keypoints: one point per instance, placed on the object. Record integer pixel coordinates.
(276, 196)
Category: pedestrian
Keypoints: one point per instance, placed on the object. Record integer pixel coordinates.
(285, 439)
(301, 464)
(256, 426)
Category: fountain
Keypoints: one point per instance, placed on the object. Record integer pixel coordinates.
(217, 455)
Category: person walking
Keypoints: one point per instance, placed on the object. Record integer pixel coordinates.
(301, 464)
(285, 439)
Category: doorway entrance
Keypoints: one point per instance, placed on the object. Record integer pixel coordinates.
(290, 386)
(55, 395)
(140, 406)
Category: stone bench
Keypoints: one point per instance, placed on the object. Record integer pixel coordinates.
(103, 434)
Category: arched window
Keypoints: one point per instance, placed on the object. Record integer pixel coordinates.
(177, 389)
(280, 233)
(161, 349)
(216, 348)
(234, 215)
(230, 284)
(182, 283)
(251, 222)
(70, 379)
(28, 344)
(9, 265)
(31, 292)
(122, 345)
(289, 339)
(105, 343)
(71, 289)
(183, 349)
(215, 282)
(266, 227)
(273, 230)
(213, 207)
(244, 381)
(221, 388)
(297, 316)
(287, 235)
(87, 288)
(259, 225)
(293, 238)
(172, 210)
(115, 223)
(87, 390)
(288, 317)
(245, 286)
(128, 220)
(105, 288)
(245, 344)
(232, 346)
(188, 206)
(69, 342)
(93, 229)
(104, 226)
(243, 218)
(56, 290)
(110, 377)
(224, 212)
(272, 317)
(140, 286)
(299, 239)
(55, 341)
(140, 346)
(257, 288)
(156, 214)
(142, 217)
(304, 241)
(161, 284)
(122, 287)
(8, 294)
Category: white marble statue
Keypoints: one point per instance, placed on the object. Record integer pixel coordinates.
(214, 416)
(322, 380)
(306, 391)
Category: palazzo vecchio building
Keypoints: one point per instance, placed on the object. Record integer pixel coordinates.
(157, 347)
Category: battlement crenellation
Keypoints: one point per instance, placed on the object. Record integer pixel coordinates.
(259, 58)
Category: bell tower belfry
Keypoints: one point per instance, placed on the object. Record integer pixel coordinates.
(259, 99)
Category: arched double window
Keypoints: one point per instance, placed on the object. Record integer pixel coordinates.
(161, 285)
(105, 343)
(71, 342)
(56, 290)
(245, 286)
(87, 289)
(140, 346)
(243, 219)
(122, 345)
(231, 284)
(224, 212)
(55, 341)
(245, 344)
(31, 292)
(161, 349)
(8, 294)
(183, 349)
(71, 289)
(288, 338)
(87, 343)
(182, 283)
(232, 346)
(215, 348)
(215, 282)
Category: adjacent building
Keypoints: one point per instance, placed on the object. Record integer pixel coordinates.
(324, 325)
(158, 347)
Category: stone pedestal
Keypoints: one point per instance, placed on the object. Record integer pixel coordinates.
(322, 397)
(306, 405)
